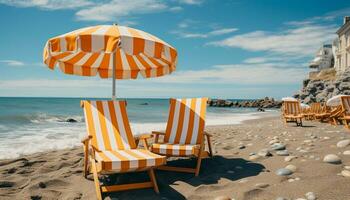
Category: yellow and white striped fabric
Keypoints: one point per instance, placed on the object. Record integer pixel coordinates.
(93, 50)
(107, 122)
(185, 127)
(346, 105)
(292, 108)
(128, 160)
(175, 149)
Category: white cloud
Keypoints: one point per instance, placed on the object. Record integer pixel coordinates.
(12, 62)
(244, 74)
(176, 9)
(294, 41)
(204, 35)
(115, 9)
(192, 2)
(48, 4)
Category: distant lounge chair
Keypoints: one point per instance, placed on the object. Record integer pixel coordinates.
(292, 112)
(184, 134)
(323, 114)
(345, 101)
(335, 115)
(110, 146)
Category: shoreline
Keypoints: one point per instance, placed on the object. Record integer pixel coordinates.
(72, 141)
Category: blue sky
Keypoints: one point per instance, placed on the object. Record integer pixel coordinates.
(227, 48)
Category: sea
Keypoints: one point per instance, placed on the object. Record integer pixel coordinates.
(31, 125)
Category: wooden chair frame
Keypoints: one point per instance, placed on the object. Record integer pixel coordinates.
(292, 118)
(346, 117)
(200, 154)
(92, 166)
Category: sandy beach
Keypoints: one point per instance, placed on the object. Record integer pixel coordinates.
(240, 169)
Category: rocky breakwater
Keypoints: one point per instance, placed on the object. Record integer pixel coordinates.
(324, 86)
(258, 103)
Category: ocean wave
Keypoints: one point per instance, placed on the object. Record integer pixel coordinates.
(39, 118)
(40, 137)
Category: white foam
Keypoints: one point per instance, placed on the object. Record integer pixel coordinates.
(41, 137)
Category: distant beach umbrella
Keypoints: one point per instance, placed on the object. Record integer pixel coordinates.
(112, 51)
(335, 100)
(304, 105)
(289, 99)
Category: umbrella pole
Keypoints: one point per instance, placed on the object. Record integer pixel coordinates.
(113, 81)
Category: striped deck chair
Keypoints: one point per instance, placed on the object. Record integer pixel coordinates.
(184, 135)
(345, 101)
(292, 112)
(110, 146)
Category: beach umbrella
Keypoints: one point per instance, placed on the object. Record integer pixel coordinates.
(304, 105)
(335, 100)
(111, 51)
(289, 99)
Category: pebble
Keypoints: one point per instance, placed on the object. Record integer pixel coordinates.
(326, 138)
(241, 147)
(291, 168)
(343, 143)
(282, 153)
(278, 146)
(281, 198)
(42, 185)
(307, 141)
(284, 172)
(331, 158)
(310, 196)
(264, 153)
(347, 152)
(262, 185)
(5, 184)
(290, 158)
(346, 167)
(273, 141)
(222, 198)
(345, 173)
(254, 157)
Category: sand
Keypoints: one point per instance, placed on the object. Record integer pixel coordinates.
(230, 173)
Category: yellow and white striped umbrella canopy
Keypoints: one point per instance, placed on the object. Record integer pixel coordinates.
(99, 49)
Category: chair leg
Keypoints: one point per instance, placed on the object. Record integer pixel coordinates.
(86, 162)
(97, 182)
(154, 180)
(209, 145)
(198, 167)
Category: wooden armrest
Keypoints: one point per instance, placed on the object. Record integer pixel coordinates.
(86, 139)
(158, 133)
(143, 136)
(208, 134)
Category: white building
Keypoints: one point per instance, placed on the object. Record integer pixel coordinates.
(324, 58)
(342, 46)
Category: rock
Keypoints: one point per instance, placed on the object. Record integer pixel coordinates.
(278, 146)
(282, 153)
(241, 147)
(260, 110)
(264, 153)
(345, 173)
(281, 198)
(343, 143)
(290, 158)
(291, 168)
(6, 184)
(310, 196)
(347, 152)
(254, 157)
(332, 159)
(284, 172)
(222, 198)
(262, 185)
(71, 120)
(42, 185)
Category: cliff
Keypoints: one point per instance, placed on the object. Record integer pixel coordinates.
(324, 85)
